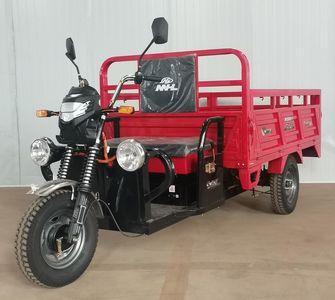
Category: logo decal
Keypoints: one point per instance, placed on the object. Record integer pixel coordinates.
(166, 85)
(212, 184)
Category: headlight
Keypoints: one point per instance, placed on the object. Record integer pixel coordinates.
(40, 151)
(72, 110)
(130, 155)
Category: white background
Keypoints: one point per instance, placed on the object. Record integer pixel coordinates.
(290, 44)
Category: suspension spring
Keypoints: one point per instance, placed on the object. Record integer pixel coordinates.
(89, 172)
(83, 167)
(65, 163)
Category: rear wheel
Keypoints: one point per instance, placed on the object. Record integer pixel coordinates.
(285, 188)
(42, 251)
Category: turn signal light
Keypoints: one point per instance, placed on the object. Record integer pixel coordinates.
(126, 110)
(42, 113)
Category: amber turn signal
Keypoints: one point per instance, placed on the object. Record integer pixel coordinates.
(42, 113)
(126, 110)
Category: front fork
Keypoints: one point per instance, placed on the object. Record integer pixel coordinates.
(85, 188)
(78, 217)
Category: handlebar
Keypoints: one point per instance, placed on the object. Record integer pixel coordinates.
(152, 78)
(116, 94)
(138, 78)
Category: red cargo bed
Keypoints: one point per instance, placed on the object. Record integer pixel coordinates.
(264, 128)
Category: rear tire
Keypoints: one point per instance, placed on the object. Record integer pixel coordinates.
(285, 188)
(36, 252)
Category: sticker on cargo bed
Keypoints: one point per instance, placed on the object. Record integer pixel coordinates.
(308, 123)
(266, 131)
(165, 85)
(289, 123)
(289, 126)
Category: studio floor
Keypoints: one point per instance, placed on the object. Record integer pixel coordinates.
(238, 251)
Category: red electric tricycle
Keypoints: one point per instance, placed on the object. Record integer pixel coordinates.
(156, 148)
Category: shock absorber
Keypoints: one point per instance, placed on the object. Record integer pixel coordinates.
(85, 188)
(88, 175)
(65, 163)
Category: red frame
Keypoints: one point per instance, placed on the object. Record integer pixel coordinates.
(254, 134)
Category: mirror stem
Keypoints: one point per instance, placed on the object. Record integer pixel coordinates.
(145, 50)
(77, 68)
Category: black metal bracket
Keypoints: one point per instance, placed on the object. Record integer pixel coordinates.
(169, 174)
(57, 153)
(209, 185)
(202, 140)
(47, 172)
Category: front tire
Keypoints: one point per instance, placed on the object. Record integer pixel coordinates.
(42, 252)
(284, 188)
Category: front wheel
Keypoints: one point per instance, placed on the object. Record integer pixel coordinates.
(42, 251)
(285, 188)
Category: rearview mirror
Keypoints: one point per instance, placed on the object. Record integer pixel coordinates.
(160, 30)
(71, 53)
(160, 36)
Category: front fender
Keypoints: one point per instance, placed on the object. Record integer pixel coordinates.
(51, 186)
(54, 185)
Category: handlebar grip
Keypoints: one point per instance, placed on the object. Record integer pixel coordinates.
(152, 78)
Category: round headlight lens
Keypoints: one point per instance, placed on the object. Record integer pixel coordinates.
(40, 152)
(130, 155)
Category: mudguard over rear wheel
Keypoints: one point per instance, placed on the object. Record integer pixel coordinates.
(42, 251)
(285, 188)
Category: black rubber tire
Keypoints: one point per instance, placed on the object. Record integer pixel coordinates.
(282, 203)
(28, 242)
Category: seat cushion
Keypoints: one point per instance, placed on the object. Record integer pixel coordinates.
(172, 146)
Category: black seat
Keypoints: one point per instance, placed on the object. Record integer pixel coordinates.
(172, 146)
(176, 93)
